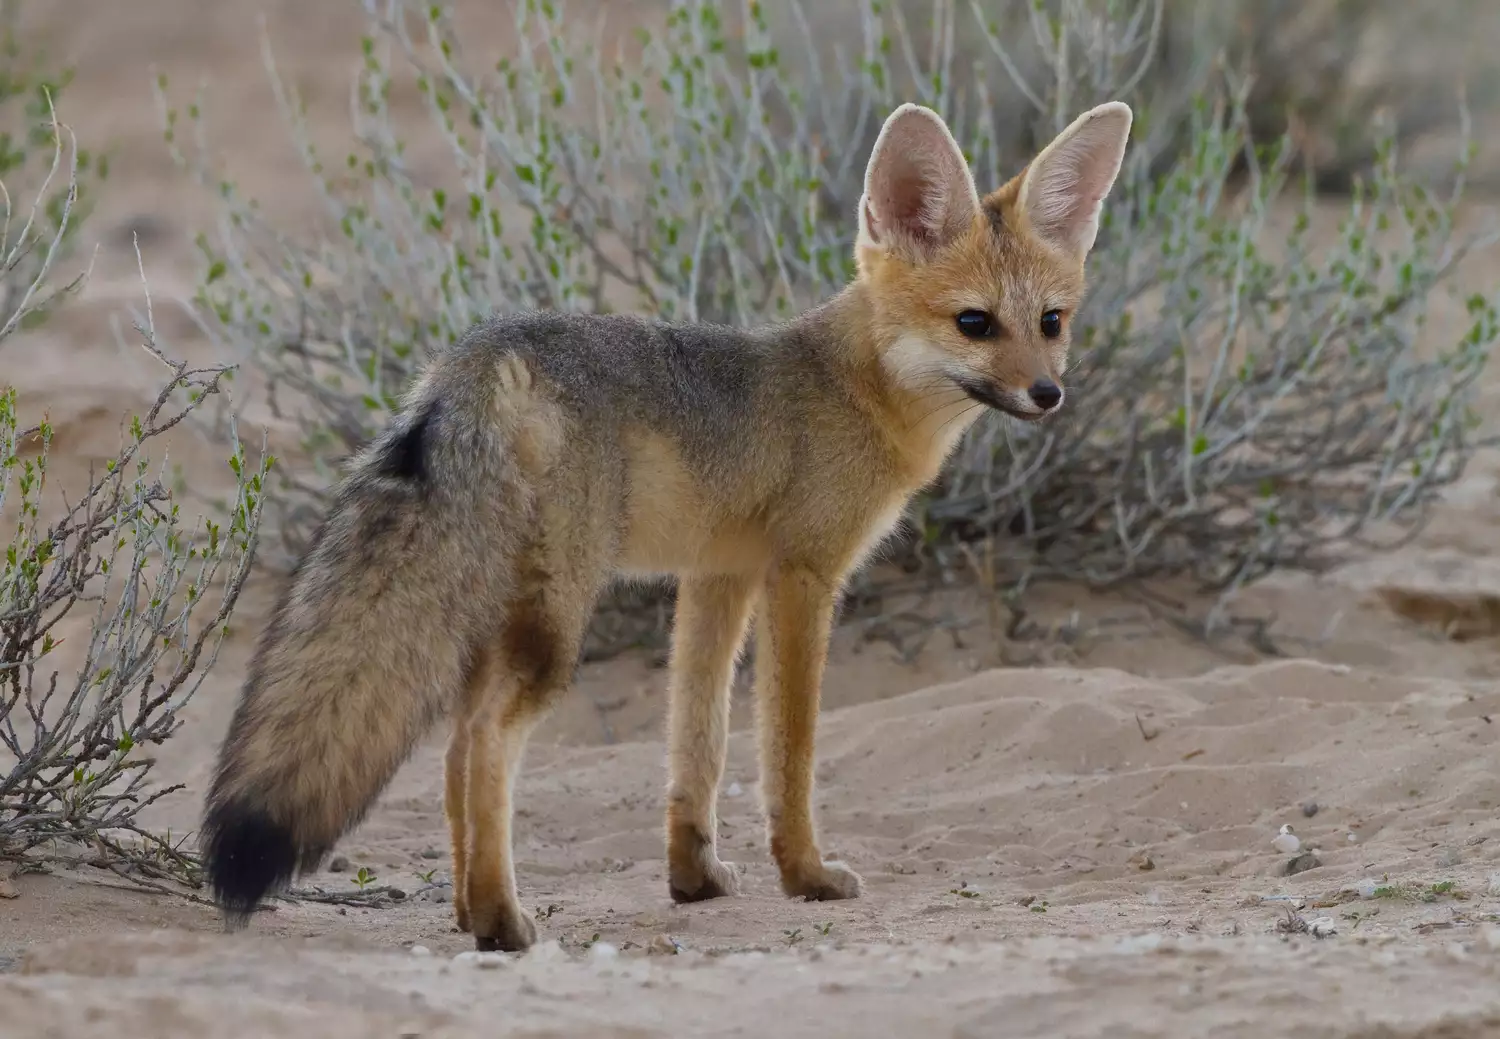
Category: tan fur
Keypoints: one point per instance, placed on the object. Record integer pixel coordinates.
(761, 508)
(712, 615)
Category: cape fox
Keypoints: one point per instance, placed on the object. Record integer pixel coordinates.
(545, 454)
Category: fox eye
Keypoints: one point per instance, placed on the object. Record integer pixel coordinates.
(1052, 324)
(976, 324)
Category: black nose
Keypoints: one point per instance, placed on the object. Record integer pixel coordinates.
(1045, 394)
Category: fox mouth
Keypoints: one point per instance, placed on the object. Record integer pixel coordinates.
(987, 395)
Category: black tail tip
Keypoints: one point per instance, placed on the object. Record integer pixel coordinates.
(248, 855)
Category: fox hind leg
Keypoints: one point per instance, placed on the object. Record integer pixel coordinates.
(489, 907)
(522, 675)
(712, 614)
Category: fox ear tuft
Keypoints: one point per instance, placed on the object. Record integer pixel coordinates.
(919, 195)
(1063, 191)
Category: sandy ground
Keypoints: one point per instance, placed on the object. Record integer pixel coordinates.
(1060, 837)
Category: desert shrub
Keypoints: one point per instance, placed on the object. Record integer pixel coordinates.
(1247, 394)
(112, 606)
(1314, 69)
(38, 235)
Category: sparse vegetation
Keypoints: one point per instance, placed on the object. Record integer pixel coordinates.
(112, 606)
(77, 722)
(1416, 892)
(39, 235)
(1253, 389)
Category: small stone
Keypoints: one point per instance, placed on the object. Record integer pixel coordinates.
(396, 894)
(481, 960)
(1302, 863)
(339, 864)
(420, 951)
(603, 951)
(734, 790)
(1287, 842)
(663, 945)
(8, 888)
(1322, 927)
(431, 853)
(1310, 808)
(1142, 861)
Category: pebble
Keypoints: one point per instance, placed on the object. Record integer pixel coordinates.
(1310, 808)
(431, 853)
(339, 864)
(1287, 842)
(420, 951)
(734, 790)
(1322, 927)
(1302, 863)
(603, 951)
(664, 944)
(481, 960)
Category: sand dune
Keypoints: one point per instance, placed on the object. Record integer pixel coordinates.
(1045, 849)
(1039, 987)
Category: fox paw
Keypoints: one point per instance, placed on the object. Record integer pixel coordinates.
(507, 931)
(703, 880)
(826, 882)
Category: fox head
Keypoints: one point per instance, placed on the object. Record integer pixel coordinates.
(978, 294)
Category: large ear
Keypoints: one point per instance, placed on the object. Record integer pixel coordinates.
(1064, 187)
(919, 194)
